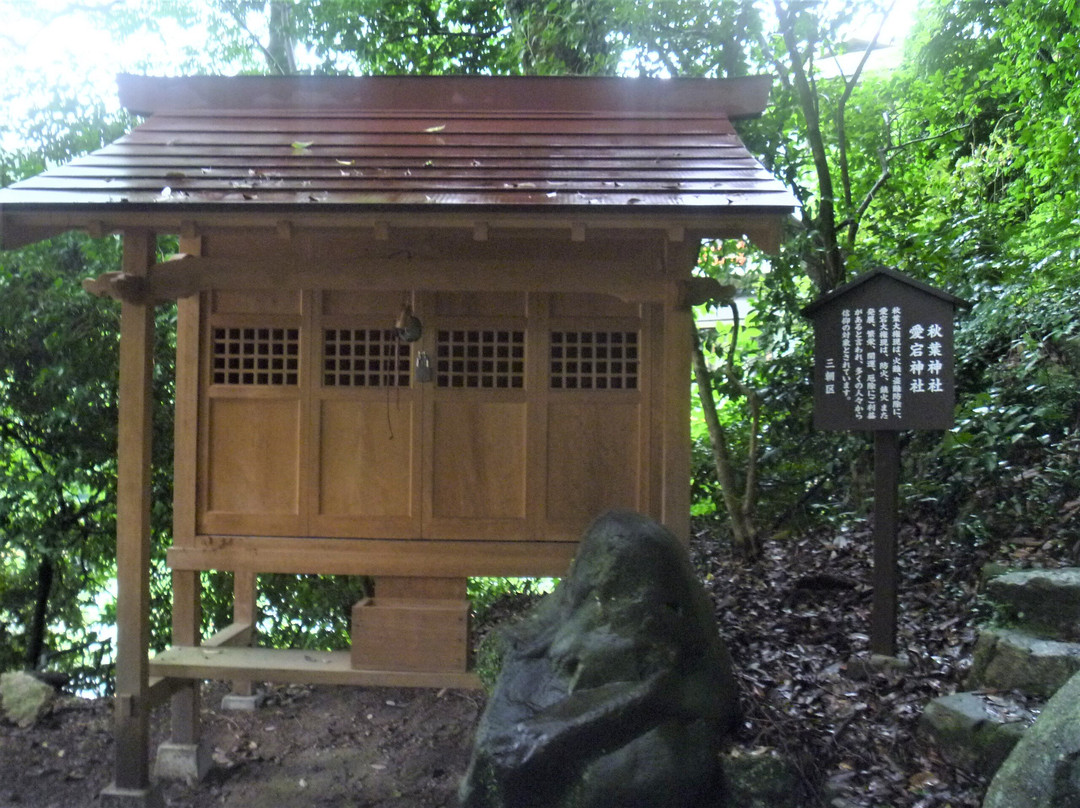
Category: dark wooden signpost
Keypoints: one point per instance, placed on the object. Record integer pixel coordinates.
(883, 362)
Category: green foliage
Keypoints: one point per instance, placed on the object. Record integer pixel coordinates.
(58, 353)
(1007, 471)
(483, 593)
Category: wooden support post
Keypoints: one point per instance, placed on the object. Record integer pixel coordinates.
(187, 619)
(886, 523)
(135, 435)
(244, 594)
(675, 501)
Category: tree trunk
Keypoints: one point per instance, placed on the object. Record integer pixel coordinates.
(741, 527)
(35, 644)
(279, 51)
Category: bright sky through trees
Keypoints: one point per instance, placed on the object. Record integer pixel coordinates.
(60, 48)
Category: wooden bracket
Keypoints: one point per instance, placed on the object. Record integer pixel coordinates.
(480, 231)
(119, 286)
(382, 231)
(577, 231)
(285, 230)
(125, 706)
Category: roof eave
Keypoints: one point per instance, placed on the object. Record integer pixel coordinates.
(25, 224)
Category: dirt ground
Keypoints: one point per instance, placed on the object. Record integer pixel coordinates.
(794, 620)
(307, 746)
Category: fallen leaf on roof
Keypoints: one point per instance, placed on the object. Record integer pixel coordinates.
(301, 145)
(438, 128)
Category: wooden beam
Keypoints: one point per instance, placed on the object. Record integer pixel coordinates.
(171, 280)
(411, 557)
(234, 634)
(134, 443)
(291, 665)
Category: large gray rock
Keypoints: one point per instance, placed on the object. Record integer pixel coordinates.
(25, 699)
(975, 731)
(1006, 659)
(616, 691)
(1041, 602)
(1043, 770)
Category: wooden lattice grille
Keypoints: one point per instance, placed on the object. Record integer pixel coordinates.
(594, 360)
(256, 356)
(492, 359)
(364, 357)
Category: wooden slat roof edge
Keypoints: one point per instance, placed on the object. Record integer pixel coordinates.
(743, 97)
(26, 223)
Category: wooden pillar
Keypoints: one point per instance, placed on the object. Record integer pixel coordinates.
(186, 630)
(678, 320)
(131, 785)
(886, 527)
(244, 594)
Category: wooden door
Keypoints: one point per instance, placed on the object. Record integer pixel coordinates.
(253, 412)
(366, 410)
(477, 417)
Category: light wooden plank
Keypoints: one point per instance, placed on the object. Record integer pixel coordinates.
(292, 665)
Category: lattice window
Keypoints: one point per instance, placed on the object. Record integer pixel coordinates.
(594, 360)
(256, 356)
(480, 359)
(364, 357)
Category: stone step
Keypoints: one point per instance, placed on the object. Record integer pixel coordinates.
(1007, 659)
(975, 731)
(1043, 602)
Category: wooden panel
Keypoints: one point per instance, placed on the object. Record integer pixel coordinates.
(263, 301)
(478, 460)
(366, 458)
(579, 305)
(276, 665)
(480, 304)
(384, 304)
(410, 634)
(437, 588)
(593, 459)
(253, 456)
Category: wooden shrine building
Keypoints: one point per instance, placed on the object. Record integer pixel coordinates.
(428, 328)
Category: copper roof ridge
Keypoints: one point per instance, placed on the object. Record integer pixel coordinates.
(513, 95)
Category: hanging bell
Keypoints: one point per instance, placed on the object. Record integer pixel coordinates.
(408, 326)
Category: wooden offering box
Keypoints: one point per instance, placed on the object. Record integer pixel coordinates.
(410, 634)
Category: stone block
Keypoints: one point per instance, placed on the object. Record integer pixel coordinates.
(974, 731)
(188, 762)
(1006, 659)
(25, 699)
(1045, 602)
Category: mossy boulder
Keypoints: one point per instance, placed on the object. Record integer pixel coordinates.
(1043, 770)
(615, 691)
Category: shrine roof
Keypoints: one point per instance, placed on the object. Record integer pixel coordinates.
(638, 149)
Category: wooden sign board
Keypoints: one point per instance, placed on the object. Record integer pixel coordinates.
(883, 354)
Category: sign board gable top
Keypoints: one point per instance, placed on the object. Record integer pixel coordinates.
(887, 272)
(883, 355)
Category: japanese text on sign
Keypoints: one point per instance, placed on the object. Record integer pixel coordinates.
(881, 356)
